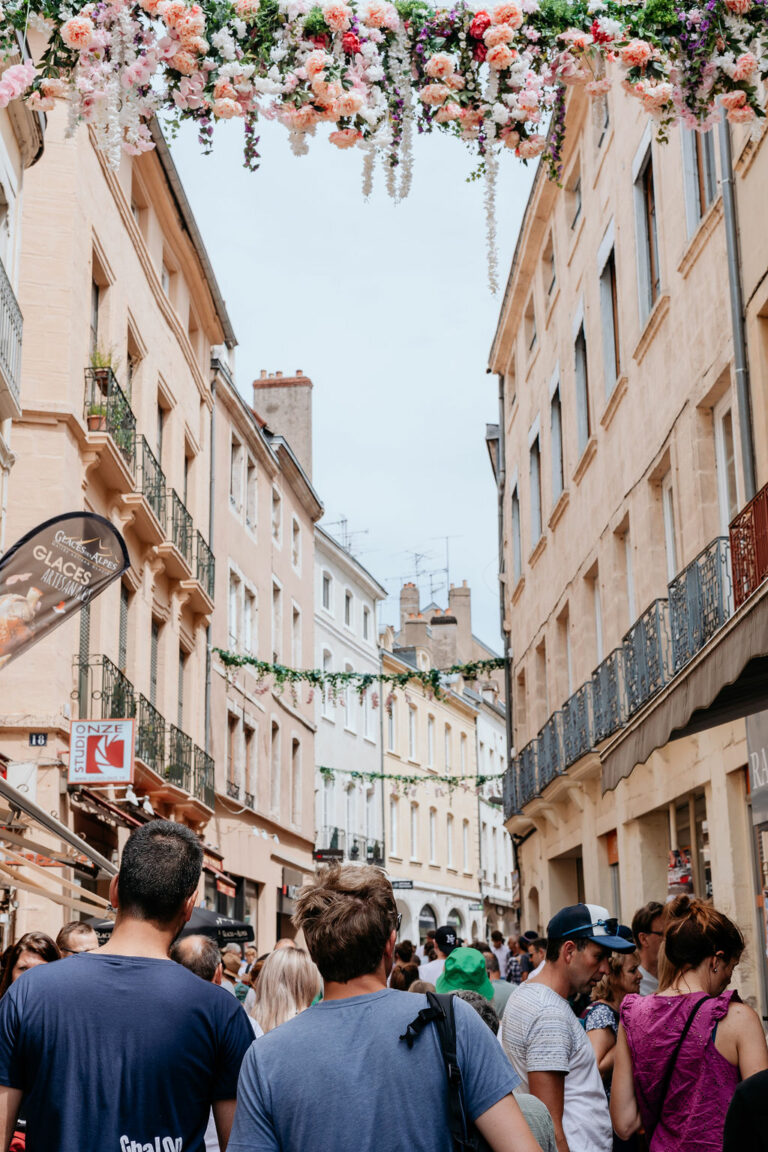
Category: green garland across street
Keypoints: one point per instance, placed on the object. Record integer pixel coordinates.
(403, 781)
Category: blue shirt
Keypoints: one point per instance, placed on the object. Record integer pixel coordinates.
(337, 1078)
(119, 1053)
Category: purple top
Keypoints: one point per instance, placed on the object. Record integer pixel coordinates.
(702, 1083)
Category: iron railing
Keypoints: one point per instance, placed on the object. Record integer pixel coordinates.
(11, 325)
(204, 783)
(526, 774)
(749, 546)
(250, 800)
(233, 790)
(699, 602)
(333, 838)
(107, 409)
(577, 725)
(510, 792)
(205, 565)
(608, 711)
(151, 481)
(179, 766)
(646, 658)
(549, 751)
(150, 735)
(181, 526)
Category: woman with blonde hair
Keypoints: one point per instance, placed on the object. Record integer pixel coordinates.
(287, 984)
(681, 1052)
(601, 1019)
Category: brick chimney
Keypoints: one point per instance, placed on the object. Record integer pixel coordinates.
(409, 602)
(460, 606)
(445, 632)
(415, 633)
(285, 403)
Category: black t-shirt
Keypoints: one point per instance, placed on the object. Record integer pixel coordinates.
(119, 1053)
(746, 1125)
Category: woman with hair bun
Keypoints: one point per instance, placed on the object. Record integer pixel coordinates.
(681, 1053)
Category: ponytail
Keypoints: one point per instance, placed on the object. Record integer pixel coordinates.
(693, 932)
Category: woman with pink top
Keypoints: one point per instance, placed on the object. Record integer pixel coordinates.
(681, 1053)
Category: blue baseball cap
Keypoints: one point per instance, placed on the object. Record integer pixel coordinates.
(590, 922)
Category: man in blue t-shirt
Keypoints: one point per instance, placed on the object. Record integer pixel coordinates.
(337, 1078)
(121, 1050)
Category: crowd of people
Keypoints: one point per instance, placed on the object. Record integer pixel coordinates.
(596, 1037)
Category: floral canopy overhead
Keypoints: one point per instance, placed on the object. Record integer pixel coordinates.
(375, 71)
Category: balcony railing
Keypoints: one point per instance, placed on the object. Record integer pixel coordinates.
(250, 800)
(577, 725)
(107, 409)
(103, 692)
(526, 777)
(333, 838)
(549, 753)
(608, 712)
(699, 602)
(646, 658)
(233, 790)
(151, 481)
(181, 526)
(204, 788)
(749, 546)
(205, 565)
(150, 735)
(178, 769)
(10, 337)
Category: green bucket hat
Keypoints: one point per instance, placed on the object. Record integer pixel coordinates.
(465, 972)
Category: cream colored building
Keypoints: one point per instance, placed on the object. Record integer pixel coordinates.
(121, 313)
(620, 467)
(263, 739)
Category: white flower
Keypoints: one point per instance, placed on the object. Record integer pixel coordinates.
(612, 28)
(375, 73)
(277, 54)
(500, 114)
(240, 28)
(223, 41)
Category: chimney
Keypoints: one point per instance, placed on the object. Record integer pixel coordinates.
(409, 602)
(460, 606)
(415, 633)
(285, 403)
(444, 640)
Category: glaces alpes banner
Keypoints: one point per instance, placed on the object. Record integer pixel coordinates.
(51, 573)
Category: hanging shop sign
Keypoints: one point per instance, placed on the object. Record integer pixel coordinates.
(53, 572)
(327, 855)
(227, 888)
(101, 752)
(757, 750)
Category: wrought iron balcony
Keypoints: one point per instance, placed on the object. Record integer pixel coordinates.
(526, 774)
(510, 792)
(749, 546)
(103, 692)
(646, 656)
(233, 790)
(205, 565)
(333, 838)
(577, 724)
(178, 770)
(608, 711)
(699, 602)
(204, 770)
(107, 409)
(181, 526)
(549, 751)
(250, 800)
(150, 735)
(151, 481)
(374, 853)
(10, 349)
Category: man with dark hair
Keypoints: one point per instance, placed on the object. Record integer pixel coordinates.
(76, 937)
(500, 951)
(337, 1077)
(124, 1050)
(538, 954)
(545, 1042)
(648, 931)
(446, 939)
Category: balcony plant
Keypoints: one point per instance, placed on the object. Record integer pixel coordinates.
(97, 416)
(105, 365)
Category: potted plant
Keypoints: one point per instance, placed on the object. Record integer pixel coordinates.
(104, 364)
(97, 417)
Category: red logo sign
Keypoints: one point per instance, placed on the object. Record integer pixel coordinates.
(101, 752)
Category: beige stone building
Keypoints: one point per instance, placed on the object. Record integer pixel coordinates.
(263, 739)
(121, 313)
(621, 463)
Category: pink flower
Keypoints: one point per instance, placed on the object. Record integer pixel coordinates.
(191, 24)
(350, 103)
(77, 33)
(299, 119)
(57, 89)
(528, 100)
(434, 94)
(316, 62)
(223, 90)
(508, 13)
(440, 65)
(15, 80)
(226, 109)
(345, 137)
(746, 64)
(455, 83)
(247, 9)
(598, 87)
(511, 138)
(449, 111)
(636, 53)
(350, 43)
(531, 147)
(742, 115)
(380, 14)
(499, 34)
(740, 7)
(338, 17)
(171, 11)
(184, 62)
(501, 56)
(733, 100)
(480, 23)
(189, 94)
(326, 91)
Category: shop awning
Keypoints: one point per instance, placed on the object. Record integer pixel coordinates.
(726, 680)
(18, 802)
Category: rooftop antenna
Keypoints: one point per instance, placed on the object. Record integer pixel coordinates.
(345, 536)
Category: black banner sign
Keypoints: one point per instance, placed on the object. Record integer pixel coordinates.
(53, 572)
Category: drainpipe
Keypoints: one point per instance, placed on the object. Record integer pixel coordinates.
(211, 504)
(740, 364)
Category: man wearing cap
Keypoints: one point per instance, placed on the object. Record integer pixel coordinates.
(446, 939)
(545, 1042)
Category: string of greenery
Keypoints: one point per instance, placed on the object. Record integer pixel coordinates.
(409, 781)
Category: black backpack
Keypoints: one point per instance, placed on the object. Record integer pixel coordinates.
(466, 1137)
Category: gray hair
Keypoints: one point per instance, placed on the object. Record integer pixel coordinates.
(199, 954)
(483, 1008)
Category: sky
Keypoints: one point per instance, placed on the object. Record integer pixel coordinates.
(387, 308)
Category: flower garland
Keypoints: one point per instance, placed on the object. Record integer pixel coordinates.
(374, 69)
(409, 783)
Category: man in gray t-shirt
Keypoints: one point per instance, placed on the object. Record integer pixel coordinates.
(338, 1078)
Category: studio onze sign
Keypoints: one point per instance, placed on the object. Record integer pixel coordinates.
(101, 752)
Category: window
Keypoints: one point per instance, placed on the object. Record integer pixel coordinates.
(165, 278)
(295, 781)
(465, 845)
(154, 651)
(250, 632)
(573, 198)
(699, 173)
(251, 763)
(251, 494)
(556, 435)
(159, 431)
(122, 638)
(725, 456)
(647, 237)
(232, 726)
(234, 611)
(327, 695)
(535, 474)
(296, 650)
(277, 516)
(670, 532)
(463, 752)
(295, 544)
(329, 814)
(366, 623)
(609, 311)
(185, 479)
(274, 768)
(631, 606)
(350, 816)
(414, 831)
(391, 731)
(369, 728)
(597, 608)
(95, 302)
(370, 813)
(449, 840)
(411, 732)
(550, 271)
(133, 359)
(326, 591)
(348, 609)
(394, 846)
(180, 693)
(433, 836)
(430, 741)
(582, 390)
(517, 549)
(448, 751)
(236, 474)
(349, 702)
(530, 325)
(277, 622)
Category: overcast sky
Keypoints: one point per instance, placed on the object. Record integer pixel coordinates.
(387, 308)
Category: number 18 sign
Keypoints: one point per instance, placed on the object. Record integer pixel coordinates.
(101, 752)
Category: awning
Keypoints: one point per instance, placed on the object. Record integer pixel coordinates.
(726, 680)
(101, 808)
(18, 802)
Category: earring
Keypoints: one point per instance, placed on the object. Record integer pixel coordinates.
(715, 968)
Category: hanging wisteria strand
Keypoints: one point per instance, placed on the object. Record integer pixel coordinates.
(372, 70)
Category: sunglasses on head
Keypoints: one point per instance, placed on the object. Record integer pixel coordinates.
(611, 926)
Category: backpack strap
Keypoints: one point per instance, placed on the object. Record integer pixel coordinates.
(446, 1031)
(417, 1026)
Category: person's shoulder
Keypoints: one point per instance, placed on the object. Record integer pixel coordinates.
(754, 1089)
